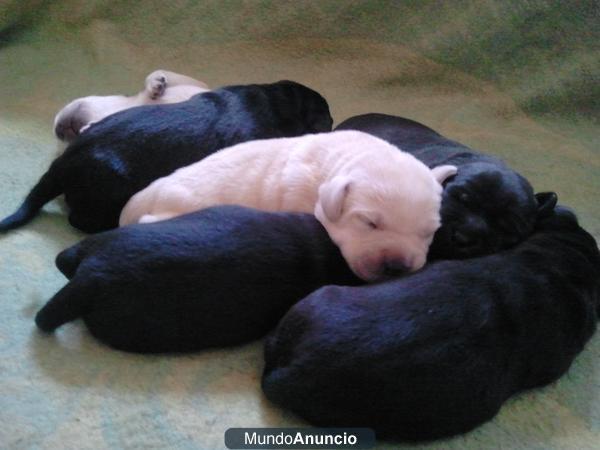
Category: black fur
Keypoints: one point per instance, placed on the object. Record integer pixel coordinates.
(216, 277)
(438, 352)
(486, 207)
(126, 151)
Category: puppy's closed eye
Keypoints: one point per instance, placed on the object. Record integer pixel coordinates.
(370, 221)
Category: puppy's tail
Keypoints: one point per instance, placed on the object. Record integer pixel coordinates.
(45, 190)
(67, 304)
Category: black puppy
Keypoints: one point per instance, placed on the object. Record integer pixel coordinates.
(216, 277)
(486, 207)
(126, 151)
(437, 353)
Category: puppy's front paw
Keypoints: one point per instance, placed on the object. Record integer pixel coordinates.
(156, 83)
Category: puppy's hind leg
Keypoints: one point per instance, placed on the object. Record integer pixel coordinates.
(67, 304)
(159, 201)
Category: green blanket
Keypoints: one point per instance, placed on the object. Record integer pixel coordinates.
(516, 79)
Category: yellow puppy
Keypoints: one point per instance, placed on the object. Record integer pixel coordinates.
(379, 205)
(161, 86)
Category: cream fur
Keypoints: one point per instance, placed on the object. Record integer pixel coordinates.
(378, 204)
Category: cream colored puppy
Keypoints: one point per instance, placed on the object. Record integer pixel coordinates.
(161, 86)
(379, 205)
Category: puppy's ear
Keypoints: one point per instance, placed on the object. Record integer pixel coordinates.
(442, 173)
(332, 196)
(546, 203)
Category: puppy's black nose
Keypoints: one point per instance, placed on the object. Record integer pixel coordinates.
(391, 268)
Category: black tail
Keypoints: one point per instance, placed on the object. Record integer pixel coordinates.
(45, 190)
(68, 260)
(67, 304)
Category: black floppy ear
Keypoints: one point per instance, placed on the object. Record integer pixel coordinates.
(546, 203)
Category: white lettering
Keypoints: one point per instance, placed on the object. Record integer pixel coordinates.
(298, 440)
(250, 440)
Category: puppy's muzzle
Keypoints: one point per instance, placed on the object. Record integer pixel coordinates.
(470, 235)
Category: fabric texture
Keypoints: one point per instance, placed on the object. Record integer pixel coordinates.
(515, 79)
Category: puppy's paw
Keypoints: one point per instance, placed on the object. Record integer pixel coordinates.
(156, 83)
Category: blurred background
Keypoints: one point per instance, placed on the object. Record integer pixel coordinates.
(518, 79)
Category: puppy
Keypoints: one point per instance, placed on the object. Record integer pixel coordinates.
(216, 277)
(126, 151)
(161, 87)
(438, 352)
(378, 204)
(486, 207)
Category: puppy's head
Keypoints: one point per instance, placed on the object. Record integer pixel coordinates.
(383, 218)
(305, 108)
(71, 119)
(486, 208)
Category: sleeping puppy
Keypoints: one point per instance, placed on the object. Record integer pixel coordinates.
(161, 87)
(216, 277)
(438, 352)
(126, 151)
(486, 207)
(378, 204)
